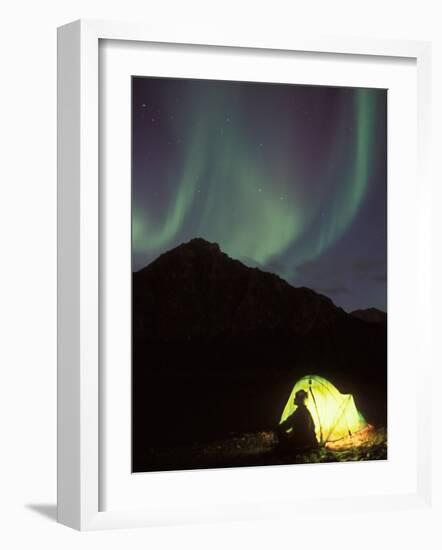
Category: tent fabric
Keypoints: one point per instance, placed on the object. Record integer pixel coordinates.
(334, 414)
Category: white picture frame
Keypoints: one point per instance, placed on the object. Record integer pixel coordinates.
(79, 274)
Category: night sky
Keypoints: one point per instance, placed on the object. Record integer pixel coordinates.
(291, 179)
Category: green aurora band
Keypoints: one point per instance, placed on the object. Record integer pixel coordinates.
(242, 194)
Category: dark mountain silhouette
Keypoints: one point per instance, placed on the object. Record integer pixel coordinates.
(370, 315)
(217, 347)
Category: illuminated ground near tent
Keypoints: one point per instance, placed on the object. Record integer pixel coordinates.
(334, 414)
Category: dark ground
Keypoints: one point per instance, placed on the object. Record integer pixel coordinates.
(258, 449)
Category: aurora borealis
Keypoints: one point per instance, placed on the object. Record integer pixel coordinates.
(288, 178)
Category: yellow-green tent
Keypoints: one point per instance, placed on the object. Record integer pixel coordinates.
(334, 414)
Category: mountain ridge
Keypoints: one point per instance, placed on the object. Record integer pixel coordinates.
(370, 315)
(200, 271)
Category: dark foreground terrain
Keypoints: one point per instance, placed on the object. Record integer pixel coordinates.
(217, 348)
(259, 449)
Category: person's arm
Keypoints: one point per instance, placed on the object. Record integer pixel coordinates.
(287, 423)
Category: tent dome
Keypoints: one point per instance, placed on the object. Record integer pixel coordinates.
(334, 414)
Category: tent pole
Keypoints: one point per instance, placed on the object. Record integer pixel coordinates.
(317, 412)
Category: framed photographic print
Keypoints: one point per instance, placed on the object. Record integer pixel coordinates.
(235, 245)
(244, 256)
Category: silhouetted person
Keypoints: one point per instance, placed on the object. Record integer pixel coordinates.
(302, 436)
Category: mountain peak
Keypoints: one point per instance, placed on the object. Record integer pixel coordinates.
(202, 244)
(196, 291)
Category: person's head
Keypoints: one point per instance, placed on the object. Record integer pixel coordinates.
(300, 397)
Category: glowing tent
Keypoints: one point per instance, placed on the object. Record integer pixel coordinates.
(337, 420)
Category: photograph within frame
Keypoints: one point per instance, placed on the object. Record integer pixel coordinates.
(259, 299)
